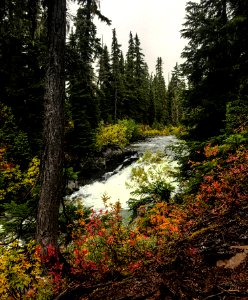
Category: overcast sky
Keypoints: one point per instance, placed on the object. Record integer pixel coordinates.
(157, 23)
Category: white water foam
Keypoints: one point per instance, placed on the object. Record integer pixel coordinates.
(114, 185)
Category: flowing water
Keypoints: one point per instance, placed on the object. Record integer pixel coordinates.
(113, 184)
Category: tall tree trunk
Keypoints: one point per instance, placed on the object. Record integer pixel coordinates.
(52, 159)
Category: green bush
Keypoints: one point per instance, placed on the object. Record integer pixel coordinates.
(111, 135)
(116, 135)
(178, 130)
(132, 129)
(22, 273)
(14, 140)
(236, 116)
(146, 130)
(18, 198)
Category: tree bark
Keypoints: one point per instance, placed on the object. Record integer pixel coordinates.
(53, 132)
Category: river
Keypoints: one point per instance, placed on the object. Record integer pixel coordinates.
(113, 184)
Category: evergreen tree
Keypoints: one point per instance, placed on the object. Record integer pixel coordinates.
(160, 95)
(216, 62)
(176, 88)
(22, 46)
(130, 86)
(237, 34)
(104, 85)
(22, 49)
(117, 78)
(237, 109)
(151, 114)
(84, 46)
(136, 82)
(141, 77)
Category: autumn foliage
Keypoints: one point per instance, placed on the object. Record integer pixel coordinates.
(103, 247)
(223, 183)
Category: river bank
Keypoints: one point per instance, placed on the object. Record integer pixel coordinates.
(94, 168)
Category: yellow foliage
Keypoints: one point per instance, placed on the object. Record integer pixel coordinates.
(32, 173)
(170, 130)
(177, 130)
(13, 179)
(155, 132)
(21, 274)
(111, 135)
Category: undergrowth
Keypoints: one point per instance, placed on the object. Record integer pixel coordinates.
(102, 247)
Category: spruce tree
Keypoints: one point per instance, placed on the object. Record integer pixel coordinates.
(130, 57)
(151, 114)
(141, 77)
(104, 85)
(22, 45)
(117, 78)
(216, 62)
(84, 46)
(175, 95)
(160, 95)
(129, 79)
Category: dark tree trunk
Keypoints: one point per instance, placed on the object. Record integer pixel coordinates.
(52, 159)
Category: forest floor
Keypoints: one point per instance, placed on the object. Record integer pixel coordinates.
(209, 262)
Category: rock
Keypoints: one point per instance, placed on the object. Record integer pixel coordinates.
(93, 168)
(233, 262)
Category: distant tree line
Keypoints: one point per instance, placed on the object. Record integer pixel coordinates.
(119, 87)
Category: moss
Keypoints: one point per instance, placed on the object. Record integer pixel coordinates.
(202, 231)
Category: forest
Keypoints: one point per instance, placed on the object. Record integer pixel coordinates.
(66, 99)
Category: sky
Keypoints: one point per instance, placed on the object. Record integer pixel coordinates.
(157, 23)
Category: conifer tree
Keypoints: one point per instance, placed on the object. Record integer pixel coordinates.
(130, 57)
(141, 76)
(117, 77)
(175, 94)
(82, 88)
(213, 66)
(151, 114)
(238, 30)
(130, 86)
(160, 95)
(104, 85)
(21, 66)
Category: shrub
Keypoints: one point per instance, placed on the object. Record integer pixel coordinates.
(163, 220)
(132, 129)
(236, 116)
(116, 135)
(14, 140)
(18, 195)
(224, 183)
(179, 130)
(105, 246)
(111, 135)
(21, 274)
(148, 131)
